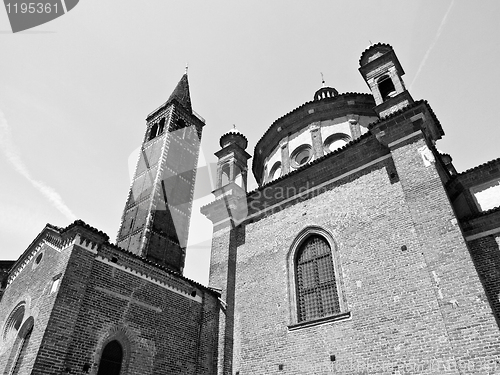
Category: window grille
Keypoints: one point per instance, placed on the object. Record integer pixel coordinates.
(316, 285)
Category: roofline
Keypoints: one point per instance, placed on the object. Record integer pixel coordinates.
(105, 237)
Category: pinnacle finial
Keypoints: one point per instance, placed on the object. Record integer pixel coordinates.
(234, 126)
(186, 69)
(322, 79)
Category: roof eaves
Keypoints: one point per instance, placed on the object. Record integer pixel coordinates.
(408, 107)
(494, 161)
(481, 214)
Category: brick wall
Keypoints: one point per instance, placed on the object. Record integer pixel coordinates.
(165, 323)
(486, 254)
(31, 283)
(162, 331)
(416, 302)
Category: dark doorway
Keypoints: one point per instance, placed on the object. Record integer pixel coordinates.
(111, 359)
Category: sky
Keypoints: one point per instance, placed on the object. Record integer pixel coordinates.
(75, 92)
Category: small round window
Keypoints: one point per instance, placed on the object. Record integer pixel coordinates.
(38, 259)
(301, 155)
(336, 141)
(275, 171)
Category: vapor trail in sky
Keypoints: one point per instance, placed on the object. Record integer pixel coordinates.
(438, 34)
(9, 149)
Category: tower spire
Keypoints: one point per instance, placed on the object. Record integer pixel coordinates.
(155, 221)
(181, 93)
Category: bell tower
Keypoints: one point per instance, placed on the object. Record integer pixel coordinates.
(231, 186)
(383, 73)
(232, 161)
(156, 217)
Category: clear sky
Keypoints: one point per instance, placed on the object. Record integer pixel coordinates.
(75, 92)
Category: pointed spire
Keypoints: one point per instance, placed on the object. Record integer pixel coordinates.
(181, 93)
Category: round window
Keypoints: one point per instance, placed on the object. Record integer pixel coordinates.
(14, 322)
(336, 141)
(301, 155)
(275, 171)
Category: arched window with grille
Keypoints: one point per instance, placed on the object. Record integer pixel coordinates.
(111, 359)
(316, 287)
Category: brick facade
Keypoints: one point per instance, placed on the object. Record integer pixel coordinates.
(72, 295)
(164, 322)
(418, 287)
(414, 257)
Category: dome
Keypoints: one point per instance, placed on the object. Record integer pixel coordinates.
(325, 92)
(331, 117)
(233, 136)
(373, 52)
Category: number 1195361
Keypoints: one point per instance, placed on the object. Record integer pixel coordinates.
(32, 8)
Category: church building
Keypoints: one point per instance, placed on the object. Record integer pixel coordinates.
(361, 251)
(74, 303)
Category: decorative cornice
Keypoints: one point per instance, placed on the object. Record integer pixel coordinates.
(143, 276)
(59, 239)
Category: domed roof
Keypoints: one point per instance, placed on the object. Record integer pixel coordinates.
(233, 136)
(374, 51)
(325, 92)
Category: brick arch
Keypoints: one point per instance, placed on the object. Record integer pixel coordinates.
(294, 248)
(25, 301)
(127, 340)
(17, 349)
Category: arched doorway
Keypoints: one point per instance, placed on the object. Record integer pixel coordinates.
(111, 359)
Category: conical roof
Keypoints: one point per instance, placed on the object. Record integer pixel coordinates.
(181, 93)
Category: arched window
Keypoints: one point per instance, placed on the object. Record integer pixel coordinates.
(111, 359)
(21, 352)
(14, 321)
(275, 171)
(336, 141)
(162, 126)
(315, 280)
(238, 177)
(386, 87)
(225, 175)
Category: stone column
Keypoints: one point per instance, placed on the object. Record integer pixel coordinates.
(285, 156)
(396, 80)
(354, 126)
(375, 91)
(316, 139)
